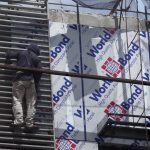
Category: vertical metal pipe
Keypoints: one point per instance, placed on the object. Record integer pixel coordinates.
(81, 62)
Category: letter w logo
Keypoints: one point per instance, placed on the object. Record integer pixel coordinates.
(79, 112)
(77, 68)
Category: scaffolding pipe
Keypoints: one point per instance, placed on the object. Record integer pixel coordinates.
(77, 75)
(127, 115)
(128, 123)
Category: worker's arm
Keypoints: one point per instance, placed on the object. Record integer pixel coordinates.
(11, 55)
(37, 76)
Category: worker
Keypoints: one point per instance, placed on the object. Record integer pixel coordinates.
(23, 85)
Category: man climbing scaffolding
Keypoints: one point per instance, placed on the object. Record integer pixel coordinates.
(24, 85)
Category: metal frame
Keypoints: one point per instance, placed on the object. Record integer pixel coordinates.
(77, 75)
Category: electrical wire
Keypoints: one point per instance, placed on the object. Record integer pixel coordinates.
(144, 112)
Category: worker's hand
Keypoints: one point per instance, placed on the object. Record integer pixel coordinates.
(8, 61)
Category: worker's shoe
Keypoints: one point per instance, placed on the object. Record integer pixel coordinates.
(31, 129)
(16, 127)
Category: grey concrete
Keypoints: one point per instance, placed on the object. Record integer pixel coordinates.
(95, 20)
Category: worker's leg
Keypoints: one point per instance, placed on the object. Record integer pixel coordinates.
(30, 102)
(18, 92)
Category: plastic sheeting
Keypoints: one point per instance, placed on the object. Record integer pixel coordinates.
(96, 3)
(81, 104)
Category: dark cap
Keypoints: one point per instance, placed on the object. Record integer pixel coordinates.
(34, 48)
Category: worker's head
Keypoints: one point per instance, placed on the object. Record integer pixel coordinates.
(34, 48)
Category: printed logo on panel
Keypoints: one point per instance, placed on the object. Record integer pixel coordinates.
(116, 109)
(112, 67)
(62, 144)
(62, 91)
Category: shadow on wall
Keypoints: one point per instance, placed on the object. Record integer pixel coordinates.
(67, 55)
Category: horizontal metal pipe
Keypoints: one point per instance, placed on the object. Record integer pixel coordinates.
(21, 7)
(85, 76)
(23, 13)
(129, 123)
(127, 115)
(18, 28)
(44, 53)
(25, 2)
(14, 16)
(22, 23)
(24, 39)
(21, 44)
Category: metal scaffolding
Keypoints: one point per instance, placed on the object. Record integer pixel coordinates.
(114, 128)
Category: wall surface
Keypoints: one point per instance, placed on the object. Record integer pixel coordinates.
(81, 105)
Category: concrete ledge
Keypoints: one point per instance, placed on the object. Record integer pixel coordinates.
(95, 20)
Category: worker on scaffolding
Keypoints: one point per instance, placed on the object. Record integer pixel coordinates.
(25, 84)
